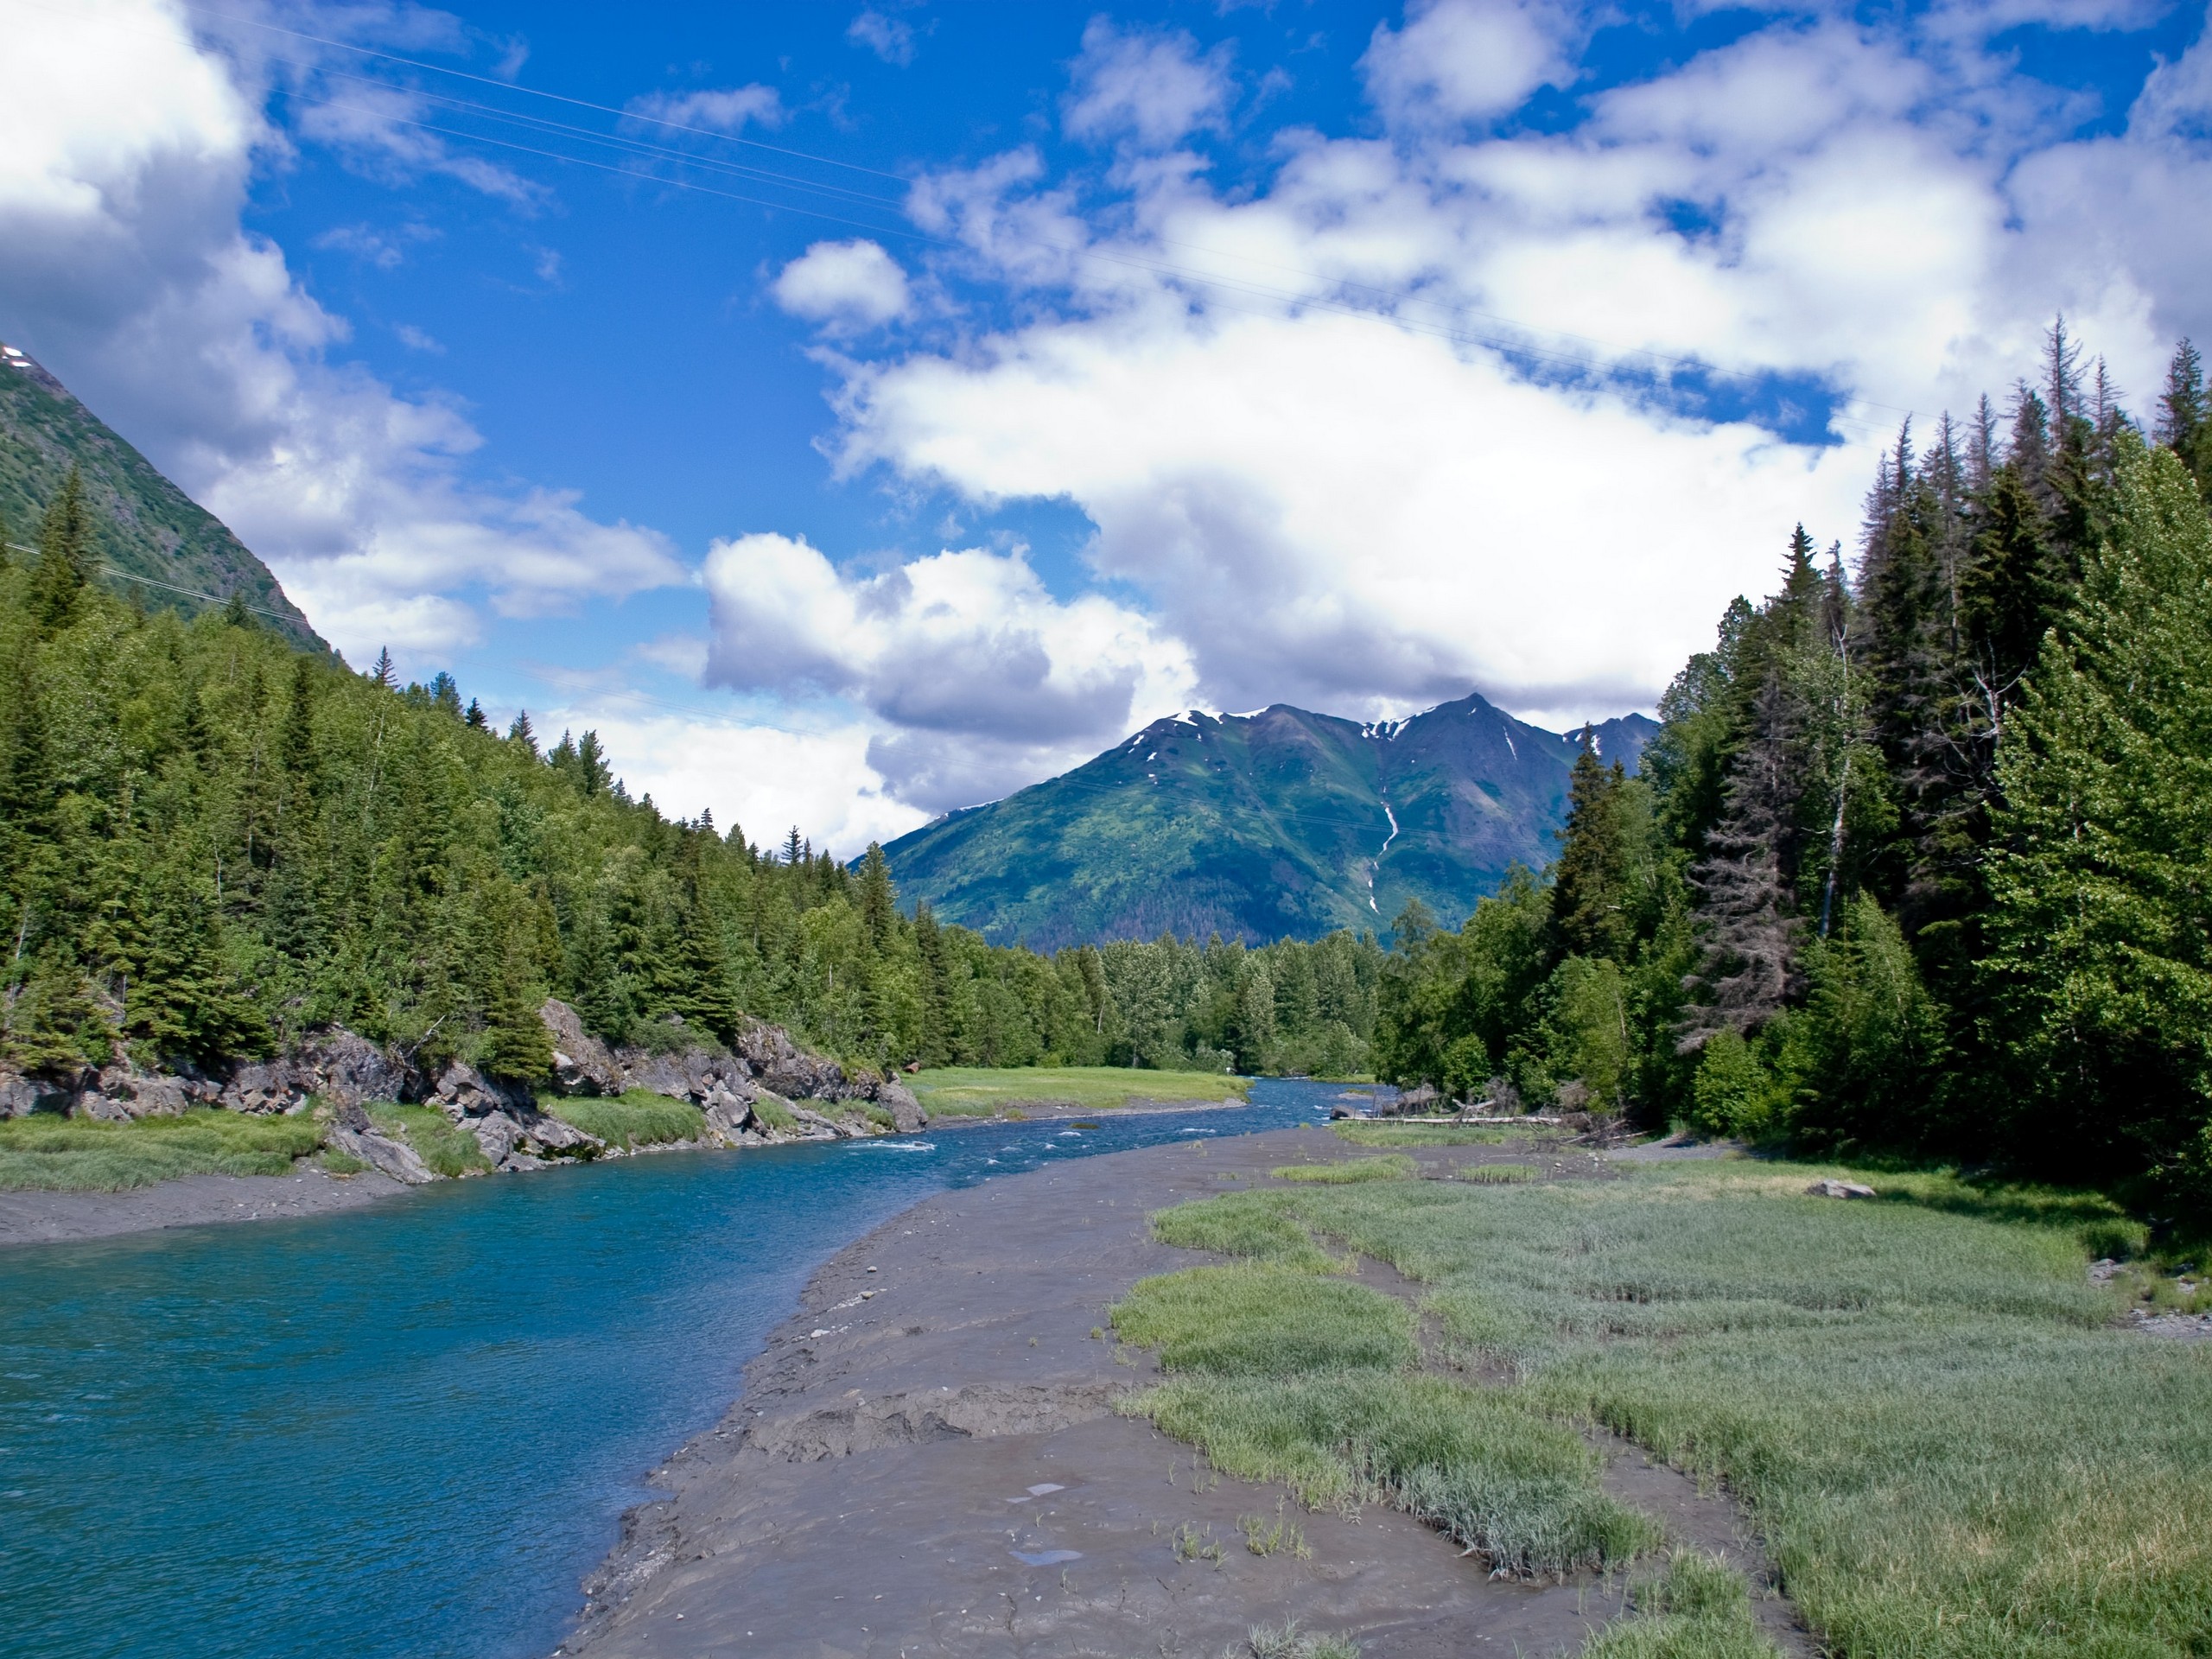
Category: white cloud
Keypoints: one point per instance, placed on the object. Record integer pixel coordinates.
(1359, 513)
(848, 287)
(762, 778)
(125, 150)
(1471, 59)
(725, 110)
(1152, 87)
(974, 675)
(887, 37)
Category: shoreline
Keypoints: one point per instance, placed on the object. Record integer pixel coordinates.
(31, 1216)
(925, 1459)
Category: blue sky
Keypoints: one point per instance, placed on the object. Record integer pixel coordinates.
(856, 411)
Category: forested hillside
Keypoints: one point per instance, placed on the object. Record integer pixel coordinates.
(1922, 857)
(1278, 824)
(147, 535)
(214, 843)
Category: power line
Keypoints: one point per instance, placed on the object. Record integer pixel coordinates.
(170, 586)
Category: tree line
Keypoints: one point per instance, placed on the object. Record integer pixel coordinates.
(214, 843)
(1922, 859)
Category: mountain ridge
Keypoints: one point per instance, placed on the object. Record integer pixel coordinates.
(148, 531)
(1279, 824)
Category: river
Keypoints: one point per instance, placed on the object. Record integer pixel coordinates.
(411, 1429)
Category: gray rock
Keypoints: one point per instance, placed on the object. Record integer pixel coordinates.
(784, 1066)
(582, 1063)
(906, 1111)
(103, 1108)
(336, 1066)
(513, 1139)
(463, 1092)
(351, 1131)
(143, 1094)
(1839, 1190)
(21, 1095)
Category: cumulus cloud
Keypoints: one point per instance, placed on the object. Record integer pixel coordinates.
(1455, 484)
(725, 110)
(759, 779)
(1152, 87)
(974, 675)
(847, 287)
(1472, 60)
(125, 150)
(887, 37)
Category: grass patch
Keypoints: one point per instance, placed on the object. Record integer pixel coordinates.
(777, 1116)
(1279, 1373)
(1416, 1135)
(1698, 1608)
(1952, 1452)
(983, 1091)
(341, 1163)
(69, 1154)
(638, 1118)
(449, 1149)
(1393, 1168)
(1244, 1225)
(1497, 1174)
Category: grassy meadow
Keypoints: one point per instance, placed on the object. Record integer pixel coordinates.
(1922, 1403)
(71, 1154)
(986, 1091)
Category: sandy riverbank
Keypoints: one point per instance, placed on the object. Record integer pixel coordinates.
(924, 1461)
(36, 1217)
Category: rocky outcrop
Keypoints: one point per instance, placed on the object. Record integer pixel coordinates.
(351, 1132)
(906, 1111)
(21, 1095)
(794, 1073)
(582, 1063)
(335, 1065)
(504, 1118)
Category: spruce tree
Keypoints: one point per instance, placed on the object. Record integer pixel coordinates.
(518, 1048)
(1589, 882)
(2186, 416)
(65, 556)
(2101, 930)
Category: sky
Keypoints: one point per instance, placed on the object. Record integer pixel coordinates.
(856, 411)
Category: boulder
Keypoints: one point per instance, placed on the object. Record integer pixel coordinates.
(351, 1132)
(334, 1064)
(21, 1095)
(582, 1063)
(783, 1066)
(512, 1138)
(464, 1092)
(101, 1108)
(818, 1127)
(1839, 1190)
(906, 1111)
(143, 1094)
(728, 1113)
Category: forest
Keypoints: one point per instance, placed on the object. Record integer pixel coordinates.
(215, 842)
(1921, 862)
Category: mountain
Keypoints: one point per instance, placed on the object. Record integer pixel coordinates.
(152, 537)
(1278, 824)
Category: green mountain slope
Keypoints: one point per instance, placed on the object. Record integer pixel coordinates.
(1278, 824)
(152, 537)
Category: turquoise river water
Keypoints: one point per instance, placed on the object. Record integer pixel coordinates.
(411, 1429)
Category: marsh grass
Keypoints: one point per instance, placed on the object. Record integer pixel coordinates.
(1497, 1174)
(1393, 1168)
(1698, 1608)
(1951, 1450)
(67, 1154)
(985, 1092)
(635, 1119)
(449, 1149)
(1386, 1133)
(1288, 1642)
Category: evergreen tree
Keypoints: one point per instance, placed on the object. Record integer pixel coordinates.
(517, 1049)
(2102, 925)
(64, 557)
(1590, 884)
(2186, 416)
(1749, 924)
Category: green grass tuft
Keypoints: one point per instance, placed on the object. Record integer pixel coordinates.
(773, 1113)
(637, 1118)
(1251, 1319)
(67, 1154)
(1386, 1134)
(449, 1149)
(1698, 1608)
(1243, 1224)
(1498, 1175)
(1395, 1168)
